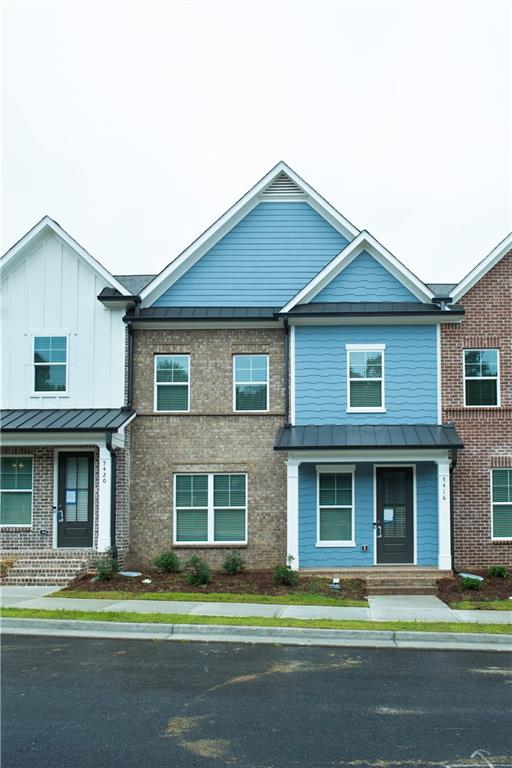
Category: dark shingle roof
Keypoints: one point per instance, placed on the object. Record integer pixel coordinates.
(366, 436)
(134, 283)
(64, 420)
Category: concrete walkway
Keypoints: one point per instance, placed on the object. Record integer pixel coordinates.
(380, 607)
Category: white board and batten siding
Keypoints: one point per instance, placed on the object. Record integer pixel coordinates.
(51, 290)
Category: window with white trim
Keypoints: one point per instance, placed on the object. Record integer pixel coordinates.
(365, 366)
(501, 492)
(481, 377)
(16, 490)
(210, 508)
(50, 363)
(250, 382)
(335, 523)
(172, 383)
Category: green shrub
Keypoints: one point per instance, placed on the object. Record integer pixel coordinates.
(284, 574)
(498, 572)
(168, 562)
(470, 583)
(233, 564)
(107, 566)
(199, 572)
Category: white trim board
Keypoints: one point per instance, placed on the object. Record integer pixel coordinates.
(481, 269)
(173, 271)
(48, 225)
(363, 242)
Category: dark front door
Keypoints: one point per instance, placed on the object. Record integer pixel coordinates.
(75, 502)
(395, 534)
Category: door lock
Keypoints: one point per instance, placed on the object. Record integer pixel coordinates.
(378, 528)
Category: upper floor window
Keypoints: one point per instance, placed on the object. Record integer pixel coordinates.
(481, 377)
(50, 363)
(172, 383)
(16, 490)
(250, 382)
(365, 366)
(502, 503)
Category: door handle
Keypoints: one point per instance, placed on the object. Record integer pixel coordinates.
(60, 515)
(378, 528)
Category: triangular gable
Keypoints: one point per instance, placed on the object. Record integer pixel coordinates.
(47, 226)
(281, 184)
(482, 268)
(363, 243)
(364, 279)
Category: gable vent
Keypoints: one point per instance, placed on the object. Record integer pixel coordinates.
(283, 185)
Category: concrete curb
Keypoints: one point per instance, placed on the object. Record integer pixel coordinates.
(272, 635)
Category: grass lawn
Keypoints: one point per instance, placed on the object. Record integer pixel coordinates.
(482, 605)
(297, 598)
(257, 621)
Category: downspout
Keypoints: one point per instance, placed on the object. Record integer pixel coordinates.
(129, 387)
(286, 372)
(453, 464)
(113, 494)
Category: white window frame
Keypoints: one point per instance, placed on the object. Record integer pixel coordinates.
(20, 490)
(170, 383)
(497, 503)
(210, 541)
(48, 392)
(481, 378)
(381, 348)
(235, 382)
(335, 469)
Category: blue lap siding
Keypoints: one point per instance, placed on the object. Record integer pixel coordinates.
(263, 261)
(410, 373)
(311, 556)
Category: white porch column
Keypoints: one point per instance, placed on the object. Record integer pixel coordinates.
(444, 525)
(104, 499)
(292, 516)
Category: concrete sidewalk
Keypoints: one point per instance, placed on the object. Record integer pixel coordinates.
(380, 608)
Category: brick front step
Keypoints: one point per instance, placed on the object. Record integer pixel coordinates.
(44, 568)
(389, 580)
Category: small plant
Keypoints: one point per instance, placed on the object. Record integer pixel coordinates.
(470, 583)
(199, 572)
(284, 574)
(107, 566)
(168, 562)
(498, 572)
(233, 564)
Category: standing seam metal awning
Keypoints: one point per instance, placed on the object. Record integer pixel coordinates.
(64, 420)
(331, 436)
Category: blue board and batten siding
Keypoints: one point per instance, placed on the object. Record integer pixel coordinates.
(364, 279)
(410, 373)
(311, 556)
(264, 260)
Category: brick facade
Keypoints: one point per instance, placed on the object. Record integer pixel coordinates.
(486, 432)
(210, 438)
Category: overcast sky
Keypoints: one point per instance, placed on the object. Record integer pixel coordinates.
(136, 125)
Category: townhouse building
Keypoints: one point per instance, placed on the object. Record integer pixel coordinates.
(288, 395)
(477, 398)
(65, 416)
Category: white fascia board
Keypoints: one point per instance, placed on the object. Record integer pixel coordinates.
(230, 219)
(364, 455)
(482, 268)
(363, 242)
(49, 225)
(444, 319)
(53, 438)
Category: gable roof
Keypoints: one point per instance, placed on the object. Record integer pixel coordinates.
(49, 225)
(482, 268)
(280, 183)
(363, 242)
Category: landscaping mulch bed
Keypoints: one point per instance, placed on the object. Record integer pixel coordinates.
(452, 590)
(248, 582)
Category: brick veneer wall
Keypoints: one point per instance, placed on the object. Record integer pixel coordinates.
(486, 432)
(210, 438)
